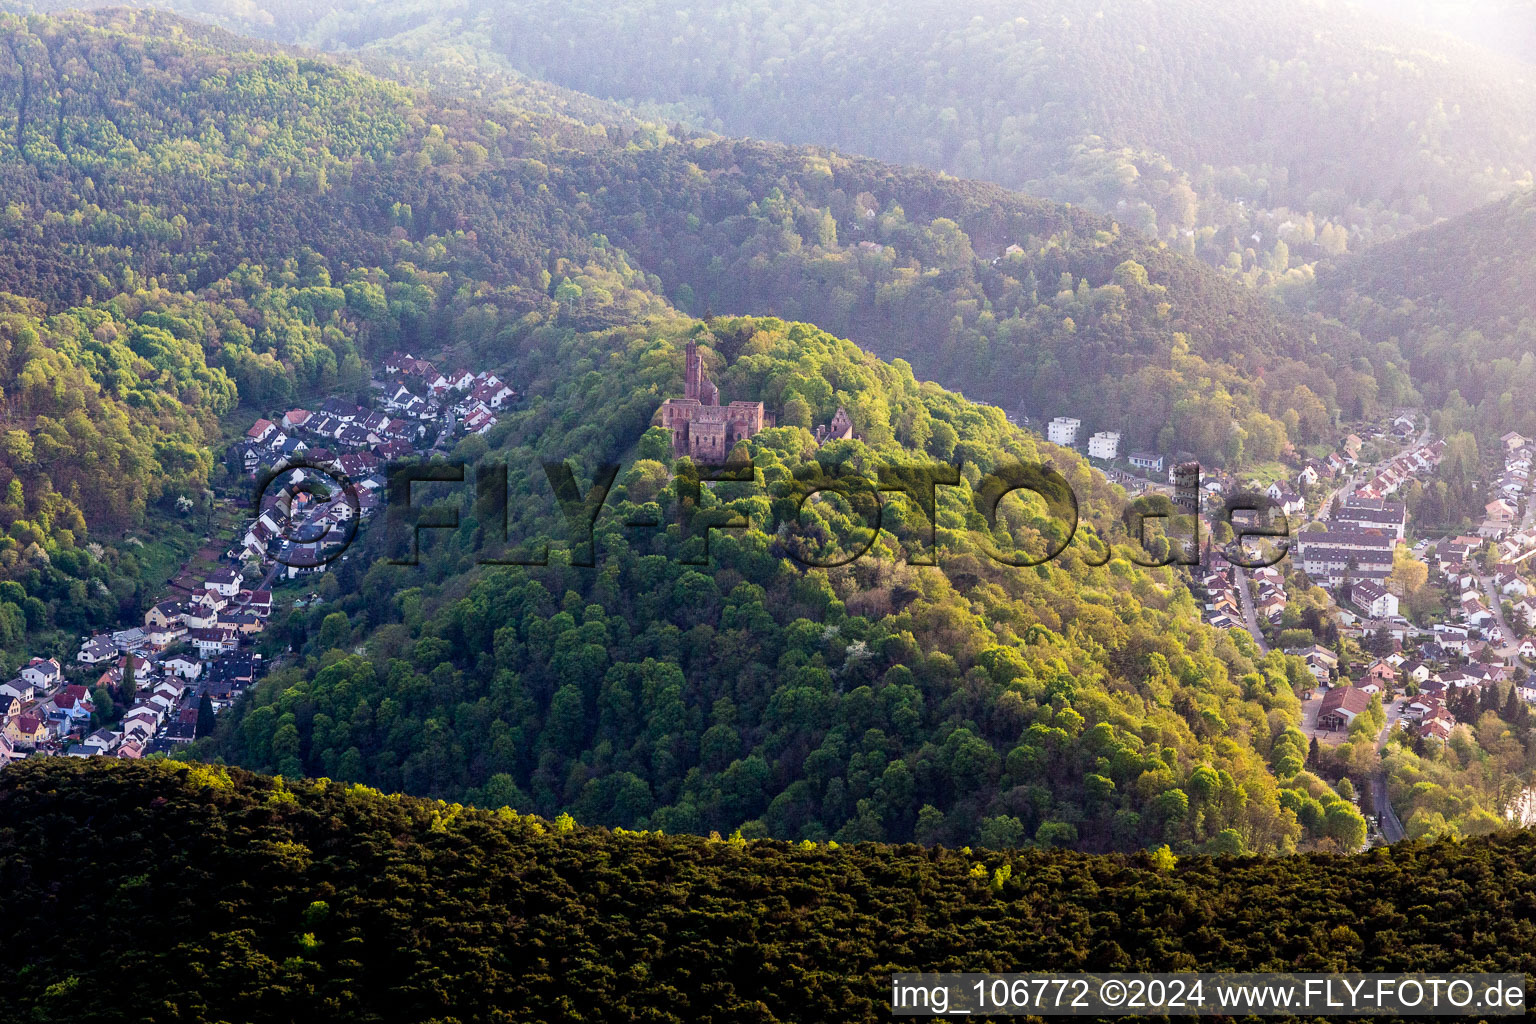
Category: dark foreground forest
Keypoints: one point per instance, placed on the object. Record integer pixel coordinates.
(173, 892)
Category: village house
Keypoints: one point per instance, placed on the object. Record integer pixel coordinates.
(26, 731)
(214, 640)
(199, 615)
(1525, 689)
(1382, 674)
(69, 710)
(100, 742)
(182, 667)
(1321, 662)
(96, 650)
(161, 637)
(1511, 585)
(1286, 499)
(1475, 612)
(224, 582)
(18, 689)
(1438, 724)
(42, 673)
(164, 613)
(1341, 706)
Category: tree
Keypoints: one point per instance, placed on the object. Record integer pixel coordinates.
(335, 632)
(205, 715)
(129, 683)
(1002, 832)
(1408, 573)
(1346, 825)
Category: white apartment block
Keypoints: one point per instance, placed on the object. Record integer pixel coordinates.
(1063, 431)
(1104, 445)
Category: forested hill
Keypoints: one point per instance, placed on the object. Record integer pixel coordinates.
(776, 679)
(1506, 26)
(1459, 300)
(1315, 127)
(264, 225)
(266, 900)
(224, 157)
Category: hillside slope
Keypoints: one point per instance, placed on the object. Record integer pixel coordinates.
(1029, 305)
(261, 900)
(1457, 300)
(1319, 127)
(290, 221)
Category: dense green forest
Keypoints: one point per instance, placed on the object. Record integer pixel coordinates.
(261, 899)
(105, 411)
(1261, 136)
(1456, 300)
(1505, 26)
(1018, 302)
(199, 223)
(1070, 704)
(1032, 753)
(1063, 703)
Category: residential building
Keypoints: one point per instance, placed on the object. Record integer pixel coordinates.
(96, 650)
(1373, 600)
(1374, 514)
(42, 673)
(1104, 445)
(1063, 431)
(1341, 706)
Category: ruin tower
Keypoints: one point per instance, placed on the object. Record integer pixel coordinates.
(701, 427)
(693, 370)
(696, 382)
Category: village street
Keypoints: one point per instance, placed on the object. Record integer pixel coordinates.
(1250, 617)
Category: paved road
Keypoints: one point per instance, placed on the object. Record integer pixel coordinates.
(1346, 490)
(1391, 828)
(1245, 598)
(1496, 605)
(266, 581)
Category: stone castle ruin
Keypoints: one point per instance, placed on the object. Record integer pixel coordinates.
(705, 431)
(702, 428)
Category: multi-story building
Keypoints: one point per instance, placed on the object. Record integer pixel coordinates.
(1374, 514)
(1063, 431)
(1104, 445)
(1331, 557)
